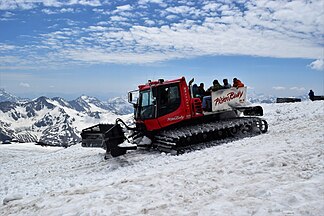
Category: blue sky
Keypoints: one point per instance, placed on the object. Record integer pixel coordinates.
(106, 48)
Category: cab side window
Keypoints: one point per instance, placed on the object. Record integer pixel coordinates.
(169, 99)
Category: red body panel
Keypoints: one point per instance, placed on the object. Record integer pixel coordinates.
(152, 124)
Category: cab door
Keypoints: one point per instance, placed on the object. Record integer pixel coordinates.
(169, 104)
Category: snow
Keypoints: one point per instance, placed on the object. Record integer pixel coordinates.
(277, 173)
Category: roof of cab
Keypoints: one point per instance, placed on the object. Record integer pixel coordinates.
(159, 82)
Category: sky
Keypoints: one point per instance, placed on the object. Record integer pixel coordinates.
(105, 48)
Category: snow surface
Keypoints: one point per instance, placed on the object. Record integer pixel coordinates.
(277, 173)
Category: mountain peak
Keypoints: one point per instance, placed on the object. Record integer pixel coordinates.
(6, 96)
(84, 97)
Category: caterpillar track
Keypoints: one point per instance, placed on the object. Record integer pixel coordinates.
(177, 141)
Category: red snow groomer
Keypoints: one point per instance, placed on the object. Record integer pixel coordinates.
(169, 115)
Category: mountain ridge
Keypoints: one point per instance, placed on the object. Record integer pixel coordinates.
(55, 121)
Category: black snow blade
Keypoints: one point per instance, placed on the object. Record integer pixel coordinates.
(106, 136)
(94, 136)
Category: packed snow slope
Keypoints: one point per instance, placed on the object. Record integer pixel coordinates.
(277, 173)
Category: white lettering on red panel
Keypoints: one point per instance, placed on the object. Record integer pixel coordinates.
(175, 118)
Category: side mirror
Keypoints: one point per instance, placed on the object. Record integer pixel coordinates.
(130, 97)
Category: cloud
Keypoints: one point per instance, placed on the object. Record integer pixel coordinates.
(6, 47)
(7, 59)
(156, 31)
(279, 88)
(211, 6)
(31, 4)
(159, 2)
(57, 11)
(51, 3)
(26, 4)
(67, 10)
(123, 8)
(8, 14)
(180, 9)
(297, 89)
(317, 64)
(93, 3)
(49, 12)
(97, 28)
(100, 56)
(254, 32)
(149, 22)
(25, 85)
(171, 17)
(118, 18)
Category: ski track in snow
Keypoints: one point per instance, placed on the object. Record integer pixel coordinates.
(277, 173)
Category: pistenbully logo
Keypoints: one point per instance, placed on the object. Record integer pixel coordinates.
(230, 96)
(175, 118)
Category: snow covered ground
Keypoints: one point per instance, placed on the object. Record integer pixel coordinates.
(277, 173)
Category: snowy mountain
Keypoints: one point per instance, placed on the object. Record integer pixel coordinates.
(88, 104)
(53, 121)
(121, 105)
(277, 173)
(5, 96)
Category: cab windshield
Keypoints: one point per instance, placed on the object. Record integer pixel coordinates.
(146, 105)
